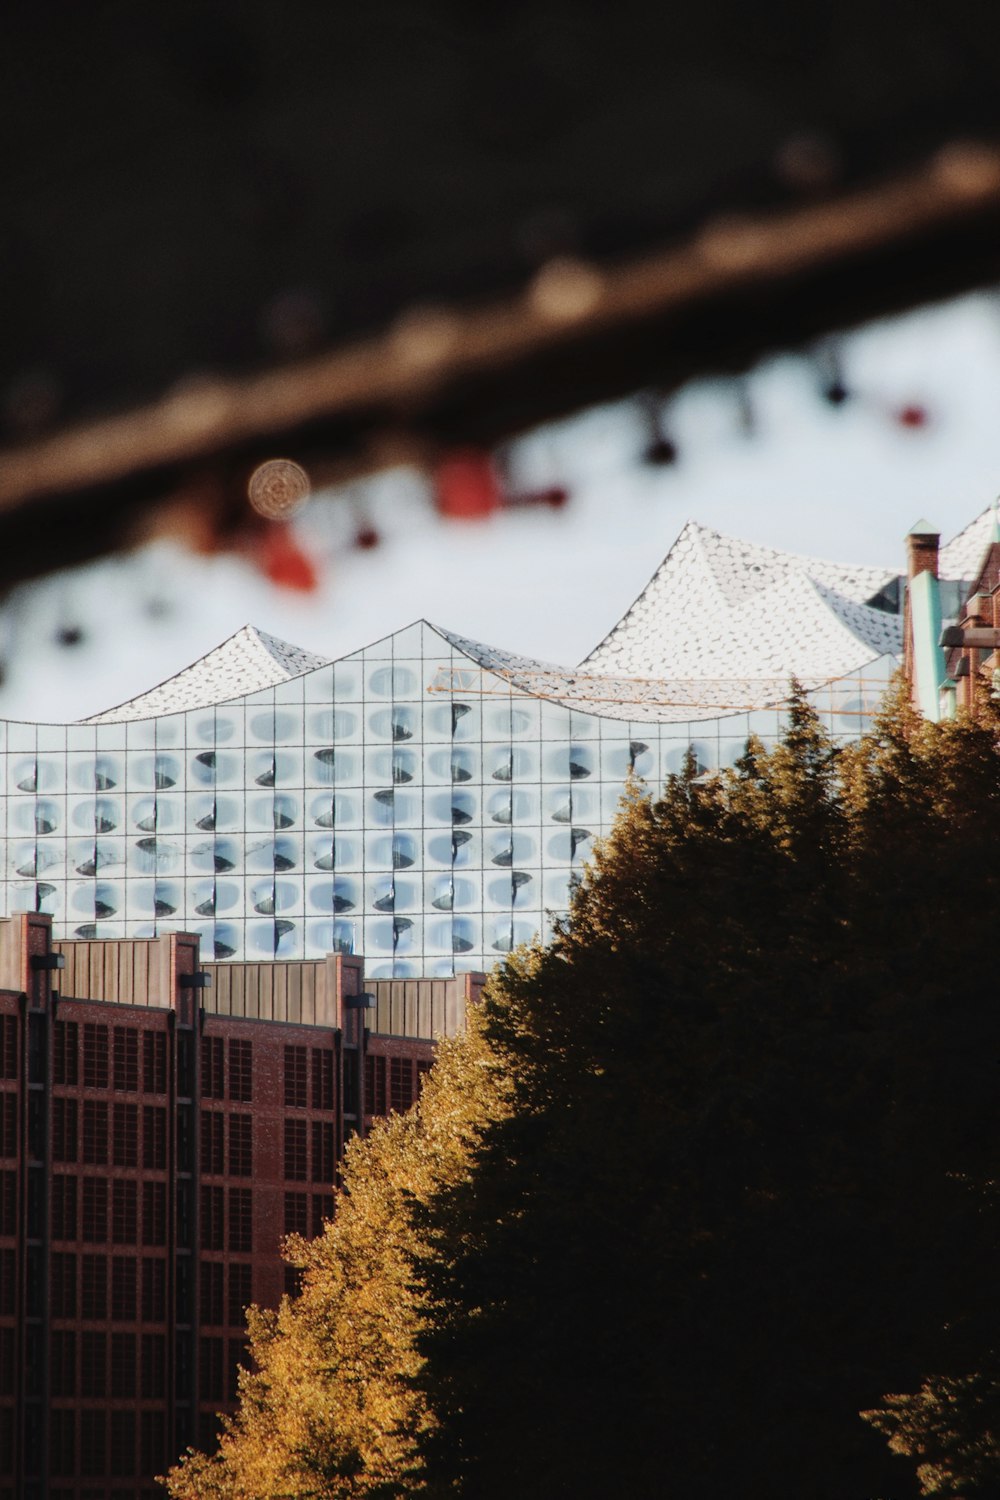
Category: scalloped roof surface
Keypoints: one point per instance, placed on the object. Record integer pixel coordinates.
(246, 662)
(726, 614)
(961, 557)
(718, 607)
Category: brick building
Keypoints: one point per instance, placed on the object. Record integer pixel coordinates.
(159, 1135)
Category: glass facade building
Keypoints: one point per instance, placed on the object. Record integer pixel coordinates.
(423, 801)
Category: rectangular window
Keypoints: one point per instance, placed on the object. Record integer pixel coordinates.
(62, 1281)
(154, 1291)
(240, 1220)
(322, 1067)
(126, 1059)
(95, 1210)
(95, 1055)
(240, 1293)
(212, 1208)
(210, 1368)
(154, 1062)
(322, 1209)
(66, 1053)
(126, 1148)
(8, 1046)
(94, 1287)
(212, 1054)
(122, 1444)
(375, 1101)
(400, 1083)
(211, 1293)
(64, 1190)
(154, 1366)
(93, 1364)
(241, 1145)
(241, 1071)
(62, 1363)
(296, 1165)
(154, 1213)
(8, 1124)
(123, 1364)
(124, 1211)
(212, 1143)
(62, 1443)
(424, 1066)
(123, 1287)
(8, 1202)
(93, 1452)
(64, 1130)
(295, 1077)
(154, 1137)
(95, 1132)
(293, 1281)
(296, 1213)
(322, 1144)
(152, 1442)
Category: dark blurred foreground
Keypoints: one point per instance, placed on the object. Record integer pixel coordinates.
(349, 235)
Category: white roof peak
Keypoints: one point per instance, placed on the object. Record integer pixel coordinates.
(246, 662)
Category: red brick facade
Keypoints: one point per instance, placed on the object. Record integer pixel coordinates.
(152, 1158)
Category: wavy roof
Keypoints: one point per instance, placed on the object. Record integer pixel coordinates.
(246, 662)
(718, 607)
(722, 623)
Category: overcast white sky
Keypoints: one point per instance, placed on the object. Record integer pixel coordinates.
(842, 483)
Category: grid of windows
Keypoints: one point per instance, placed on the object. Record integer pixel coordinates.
(154, 1137)
(322, 1151)
(64, 1130)
(154, 1290)
(400, 1083)
(241, 1145)
(296, 1159)
(95, 1131)
(93, 1363)
(64, 1200)
(295, 1077)
(95, 1209)
(322, 1078)
(211, 1304)
(213, 1156)
(376, 1101)
(240, 1292)
(94, 1287)
(240, 1070)
(212, 1218)
(126, 1058)
(154, 1062)
(123, 1288)
(95, 1055)
(62, 1442)
(65, 1052)
(154, 1366)
(62, 1363)
(124, 1214)
(126, 1135)
(8, 1124)
(240, 1220)
(8, 1202)
(123, 1364)
(8, 1046)
(154, 1213)
(212, 1066)
(62, 1283)
(296, 1213)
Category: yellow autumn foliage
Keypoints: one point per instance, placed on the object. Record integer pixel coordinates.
(331, 1409)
